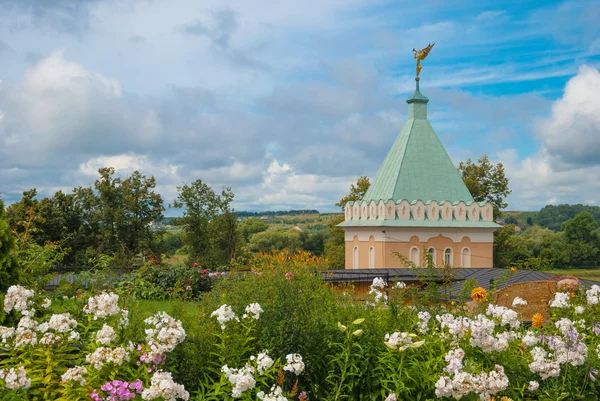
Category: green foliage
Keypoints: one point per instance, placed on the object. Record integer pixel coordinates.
(486, 182)
(159, 281)
(203, 208)
(251, 226)
(553, 216)
(8, 263)
(335, 247)
(357, 191)
(113, 218)
(537, 248)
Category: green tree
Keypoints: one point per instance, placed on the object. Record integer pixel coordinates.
(581, 239)
(486, 182)
(335, 247)
(141, 207)
(357, 191)
(201, 205)
(9, 273)
(248, 227)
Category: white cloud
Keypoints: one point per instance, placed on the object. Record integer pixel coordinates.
(572, 134)
(62, 107)
(567, 166)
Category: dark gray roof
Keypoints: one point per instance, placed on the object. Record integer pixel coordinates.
(483, 276)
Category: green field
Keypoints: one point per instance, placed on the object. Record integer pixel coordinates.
(586, 274)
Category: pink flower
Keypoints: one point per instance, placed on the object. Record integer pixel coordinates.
(202, 276)
(289, 275)
(188, 288)
(204, 271)
(303, 396)
(195, 264)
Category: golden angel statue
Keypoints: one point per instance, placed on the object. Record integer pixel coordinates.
(421, 55)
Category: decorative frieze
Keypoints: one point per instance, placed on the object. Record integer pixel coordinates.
(419, 211)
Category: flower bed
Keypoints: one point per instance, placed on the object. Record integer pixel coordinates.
(285, 335)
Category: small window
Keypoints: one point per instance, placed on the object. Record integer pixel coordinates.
(355, 258)
(371, 257)
(414, 255)
(431, 252)
(466, 257)
(448, 256)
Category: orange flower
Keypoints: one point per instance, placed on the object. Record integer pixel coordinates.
(505, 398)
(537, 320)
(478, 294)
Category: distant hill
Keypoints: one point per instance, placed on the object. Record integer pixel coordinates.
(550, 216)
(276, 213)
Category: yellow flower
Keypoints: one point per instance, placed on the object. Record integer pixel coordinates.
(505, 398)
(479, 294)
(537, 320)
(358, 321)
(417, 344)
(357, 333)
(341, 327)
(513, 269)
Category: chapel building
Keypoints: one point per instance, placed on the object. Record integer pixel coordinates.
(418, 203)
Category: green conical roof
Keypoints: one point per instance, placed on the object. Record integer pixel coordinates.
(417, 166)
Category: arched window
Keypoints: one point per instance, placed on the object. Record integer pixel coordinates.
(466, 257)
(448, 256)
(414, 255)
(355, 258)
(371, 257)
(431, 252)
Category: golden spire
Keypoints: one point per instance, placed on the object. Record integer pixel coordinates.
(421, 55)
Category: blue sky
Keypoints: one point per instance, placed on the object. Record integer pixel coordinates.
(289, 102)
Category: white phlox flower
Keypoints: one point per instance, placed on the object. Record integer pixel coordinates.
(242, 379)
(294, 364)
(377, 288)
(533, 385)
(162, 385)
(62, 323)
(103, 305)
(103, 355)
(424, 318)
(593, 294)
(263, 362)
(454, 358)
(530, 339)
(75, 374)
(276, 394)
(561, 300)
(518, 301)
(18, 298)
(508, 317)
(163, 334)
(484, 384)
(253, 310)
(46, 303)
(50, 339)
(224, 315)
(15, 379)
(106, 335)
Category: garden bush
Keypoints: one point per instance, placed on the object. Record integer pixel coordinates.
(279, 332)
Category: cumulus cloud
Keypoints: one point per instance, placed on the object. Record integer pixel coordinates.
(572, 133)
(566, 167)
(61, 107)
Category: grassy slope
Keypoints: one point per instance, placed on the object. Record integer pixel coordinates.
(589, 274)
